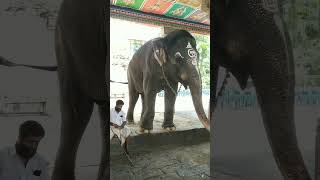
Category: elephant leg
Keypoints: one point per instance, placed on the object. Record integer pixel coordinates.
(212, 106)
(214, 77)
(76, 109)
(275, 91)
(133, 98)
(104, 170)
(143, 104)
(147, 117)
(169, 102)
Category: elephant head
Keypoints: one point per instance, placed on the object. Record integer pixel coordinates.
(178, 54)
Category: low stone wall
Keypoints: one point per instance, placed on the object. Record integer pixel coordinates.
(237, 99)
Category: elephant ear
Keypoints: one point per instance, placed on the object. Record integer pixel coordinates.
(159, 51)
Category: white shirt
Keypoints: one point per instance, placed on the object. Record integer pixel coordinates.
(12, 167)
(117, 118)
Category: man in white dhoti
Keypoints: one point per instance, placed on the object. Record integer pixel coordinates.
(117, 124)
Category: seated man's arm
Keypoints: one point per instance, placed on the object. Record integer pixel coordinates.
(123, 124)
(111, 120)
(124, 121)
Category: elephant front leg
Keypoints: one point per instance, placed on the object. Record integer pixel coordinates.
(76, 110)
(169, 102)
(146, 122)
(104, 170)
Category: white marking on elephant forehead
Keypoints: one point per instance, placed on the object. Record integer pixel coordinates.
(192, 53)
(189, 46)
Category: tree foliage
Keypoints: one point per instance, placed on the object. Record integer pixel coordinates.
(203, 46)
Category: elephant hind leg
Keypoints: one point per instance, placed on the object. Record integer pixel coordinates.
(104, 169)
(133, 98)
(143, 103)
(76, 109)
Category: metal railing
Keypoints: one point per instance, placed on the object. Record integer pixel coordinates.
(23, 108)
(239, 100)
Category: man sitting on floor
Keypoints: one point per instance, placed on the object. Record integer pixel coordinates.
(117, 125)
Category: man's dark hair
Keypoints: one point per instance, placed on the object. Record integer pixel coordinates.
(119, 102)
(31, 128)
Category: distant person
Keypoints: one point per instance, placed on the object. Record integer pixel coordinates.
(117, 125)
(22, 162)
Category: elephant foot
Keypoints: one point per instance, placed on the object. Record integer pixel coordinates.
(169, 127)
(145, 131)
(173, 128)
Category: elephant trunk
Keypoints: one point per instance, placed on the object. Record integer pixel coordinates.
(196, 93)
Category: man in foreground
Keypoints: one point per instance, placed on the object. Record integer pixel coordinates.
(22, 162)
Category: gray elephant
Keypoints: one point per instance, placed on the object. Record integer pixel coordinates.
(81, 52)
(250, 40)
(159, 65)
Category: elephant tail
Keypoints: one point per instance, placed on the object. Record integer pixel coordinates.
(6, 62)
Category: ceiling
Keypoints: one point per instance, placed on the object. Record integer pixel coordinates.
(190, 12)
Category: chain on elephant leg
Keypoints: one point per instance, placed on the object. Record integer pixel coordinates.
(145, 131)
(130, 119)
(146, 125)
(172, 128)
(168, 124)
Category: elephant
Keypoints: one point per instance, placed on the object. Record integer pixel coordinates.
(158, 65)
(81, 53)
(250, 39)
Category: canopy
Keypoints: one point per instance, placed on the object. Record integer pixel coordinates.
(192, 15)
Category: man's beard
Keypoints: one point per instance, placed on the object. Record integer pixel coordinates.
(117, 109)
(24, 151)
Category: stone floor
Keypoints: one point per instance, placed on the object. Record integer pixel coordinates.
(181, 154)
(184, 120)
(165, 162)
